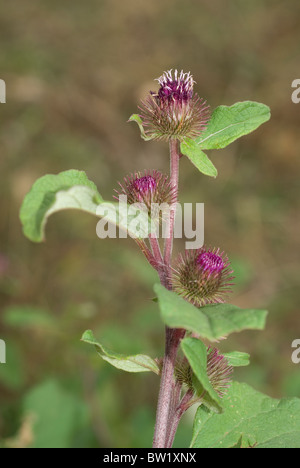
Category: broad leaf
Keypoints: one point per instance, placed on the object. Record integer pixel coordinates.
(250, 418)
(196, 353)
(237, 358)
(211, 321)
(73, 190)
(190, 149)
(52, 193)
(56, 415)
(136, 363)
(230, 123)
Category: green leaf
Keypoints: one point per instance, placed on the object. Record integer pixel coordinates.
(52, 193)
(13, 373)
(227, 318)
(27, 316)
(73, 190)
(211, 321)
(136, 118)
(177, 313)
(196, 353)
(136, 363)
(250, 418)
(190, 149)
(56, 413)
(227, 124)
(237, 358)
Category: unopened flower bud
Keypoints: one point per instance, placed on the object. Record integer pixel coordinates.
(150, 188)
(203, 276)
(219, 371)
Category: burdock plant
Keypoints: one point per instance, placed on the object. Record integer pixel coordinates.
(194, 288)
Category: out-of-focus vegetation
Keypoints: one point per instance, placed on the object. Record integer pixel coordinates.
(75, 72)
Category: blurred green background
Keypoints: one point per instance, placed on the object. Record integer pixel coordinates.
(75, 71)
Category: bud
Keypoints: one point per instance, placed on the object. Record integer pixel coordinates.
(219, 371)
(203, 276)
(174, 111)
(184, 373)
(147, 189)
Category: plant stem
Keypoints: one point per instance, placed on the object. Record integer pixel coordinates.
(178, 413)
(174, 179)
(173, 336)
(156, 250)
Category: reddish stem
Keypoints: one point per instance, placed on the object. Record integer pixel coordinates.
(156, 250)
(174, 179)
(163, 423)
(173, 336)
(176, 417)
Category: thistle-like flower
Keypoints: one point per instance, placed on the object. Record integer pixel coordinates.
(203, 276)
(149, 189)
(174, 111)
(219, 371)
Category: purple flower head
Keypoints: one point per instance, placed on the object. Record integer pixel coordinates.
(211, 262)
(144, 185)
(147, 189)
(178, 88)
(219, 371)
(203, 276)
(174, 111)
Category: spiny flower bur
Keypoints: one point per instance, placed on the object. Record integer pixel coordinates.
(203, 276)
(218, 370)
(184, 373)
(174, 111)
(149, 191)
